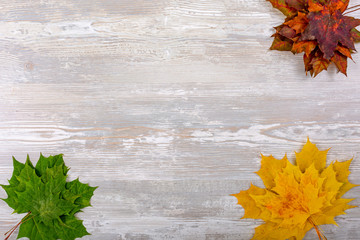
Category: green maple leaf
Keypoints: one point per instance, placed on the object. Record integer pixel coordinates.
(50, 201)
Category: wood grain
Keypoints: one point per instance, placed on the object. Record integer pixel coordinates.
(166, 106)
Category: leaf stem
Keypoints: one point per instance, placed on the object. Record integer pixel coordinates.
(317, 229)
(358, 5)
(352, 11)
(18, 223)
(12, 230)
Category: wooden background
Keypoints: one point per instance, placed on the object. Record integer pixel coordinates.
(166, 106)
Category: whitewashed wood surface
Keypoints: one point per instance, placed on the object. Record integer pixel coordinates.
(166, 106)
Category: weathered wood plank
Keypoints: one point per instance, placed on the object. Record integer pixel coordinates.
(166, 106)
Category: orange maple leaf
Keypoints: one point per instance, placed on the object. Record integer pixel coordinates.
(297, 197)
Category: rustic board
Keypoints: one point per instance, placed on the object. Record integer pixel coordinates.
(166, 106)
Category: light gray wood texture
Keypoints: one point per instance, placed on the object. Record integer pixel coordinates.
(166, 106)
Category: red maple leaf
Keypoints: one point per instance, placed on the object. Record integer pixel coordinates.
(330, 28)
(320, 29)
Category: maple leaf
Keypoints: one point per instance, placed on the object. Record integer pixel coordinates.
(48, 199)
(297, 197)
(297, 4)
(303, 46)
(329, 29)
(281, 43)
(298, 23)
(340, 61)
(283, 7)
(320, 29)
(355, 34)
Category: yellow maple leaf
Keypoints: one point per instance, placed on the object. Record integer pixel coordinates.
(297, 197)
